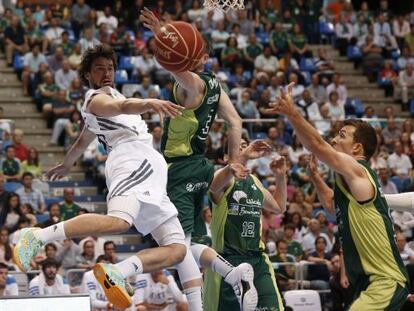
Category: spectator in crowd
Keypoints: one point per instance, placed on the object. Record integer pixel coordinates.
(298, 203)
(48, 282)
(405, 221)
(145, 86)
(309, 240)
(76, 93)
(31, 63)
(270, 225)
(21, 151)
(6, 251)
(53, 35)
(319, 274)
(339, 87)
(219, 37)
(98, 242)
(51, 251)
(401, 28)
(399, 163)
(68, 208)
(391, 134)
(110, 251)
(27, 194)
(294, 247)
(11, 166)
(8, 284)
(72, 128)
(295, 150)
(15, 39)
(79, 16)
(34, 35)
(336, 108)
(323, 125)
(251, 51)
(344, 34)
(144, 64)
(87, 257)
(65, 75)
(371, 57)
(75, 57)
(324, 66)
(66, 44)
(54, 215)
(55, 61)
(266, 63)
(406, 253)
(88, 40)
(91, 287)
(161, 282)
(298, 43)
(231, 54)
(341, 297)
(409, 38)
(278, 40)
(388, 77)
(62, 110)
(286, 273)
(108, 19)
(387, 186)
(32, 164)
(156, 138)
(47, 91)
(309, 106)
(68, 253)
(27, 212)
(405, 86)
(405, 58)
(4, 197)
(317, 91)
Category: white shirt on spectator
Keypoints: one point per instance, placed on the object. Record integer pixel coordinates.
(11, 289)
(309, 242)
(34, 197)
(219, 35)
(340, 89)
(99, 244)
(390, 187)
(90, 286)
(64, 79)
(344, 30)
(269, 64)
(54, 34)
(400, 31)
(144, 65)
(382, 29)
(33, 62)
(406, 254)
(38, 286)
(400, 163)
(110, 21)
(404, 79)
(86, 44)
(311, 111)
(262, 164)
(405, 221)
(403, 61)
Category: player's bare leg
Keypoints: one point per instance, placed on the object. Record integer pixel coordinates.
(240, 277)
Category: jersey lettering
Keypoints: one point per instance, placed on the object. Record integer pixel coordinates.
(248, 229)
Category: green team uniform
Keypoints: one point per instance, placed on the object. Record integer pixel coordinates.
(183, 146)
(236, 231)
(372, 260)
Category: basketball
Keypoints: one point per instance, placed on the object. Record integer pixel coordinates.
(178, 47)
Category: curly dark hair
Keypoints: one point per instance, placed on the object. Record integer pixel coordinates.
(90, 55)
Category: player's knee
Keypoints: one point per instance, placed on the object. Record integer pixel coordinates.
(178, 252)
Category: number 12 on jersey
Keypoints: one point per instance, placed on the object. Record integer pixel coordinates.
(248, 229)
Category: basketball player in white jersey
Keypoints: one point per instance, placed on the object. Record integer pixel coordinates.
(136, 176)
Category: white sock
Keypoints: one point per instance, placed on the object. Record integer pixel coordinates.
(130, 266)
(51, 233)
(221, 266)
(195, 301)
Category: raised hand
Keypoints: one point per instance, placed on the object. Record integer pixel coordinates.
(284, 103)
(278, 166)
(57, 172)
(239, 171)
(150, 21)
(257, 149)
(313, 165)
(163, 107)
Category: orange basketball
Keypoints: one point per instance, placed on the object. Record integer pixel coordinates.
(178, 47)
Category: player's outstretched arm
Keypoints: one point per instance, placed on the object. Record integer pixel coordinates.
(402, 202)
(278, 167)
(325, 194)
(340, 162)
(227, 111)
(84, 139)
(106, 106)
(188, 80)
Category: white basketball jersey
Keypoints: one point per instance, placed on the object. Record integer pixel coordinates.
(114, 130)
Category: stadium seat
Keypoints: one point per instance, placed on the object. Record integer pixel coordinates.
(121, 76)
(22, 281)
(306, 64)
(146, 35)
(303, 300)
(259, 135)
(353, 52)
(41, 218)
(326, 30)
(412, 107)
(11, 186)
(18, 62)
(395, 54)
(354, 107)
(262, 37)
(126, 62)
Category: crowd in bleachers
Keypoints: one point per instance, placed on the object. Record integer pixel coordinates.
(254, 54)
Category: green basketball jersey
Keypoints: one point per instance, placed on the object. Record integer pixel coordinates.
(367, 234)
(236, 226)
(186, 135)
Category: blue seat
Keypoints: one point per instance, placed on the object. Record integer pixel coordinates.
(353, 52)
(146, 35)
(355, 105)
(262, 37)
(382, 82)
(72, 36)
(18, 62)
(41, 218)
(121, 76)
(126, 62)
(395, 54)
(412, 107)
(12, 186)
(307, 76)
(306, 64)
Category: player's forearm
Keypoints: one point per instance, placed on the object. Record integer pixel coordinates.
(222, 178)
(79, 146)
(234, 137)
(280, 194)
(402, 202)
(325, 194)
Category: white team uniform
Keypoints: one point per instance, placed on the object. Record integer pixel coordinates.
(91, 286)
(136, 174)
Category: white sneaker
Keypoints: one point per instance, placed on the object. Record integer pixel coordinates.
(241, 278)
